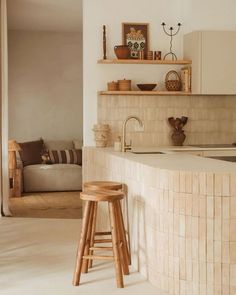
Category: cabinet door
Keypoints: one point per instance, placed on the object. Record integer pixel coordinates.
(218, 62)
(193, 52)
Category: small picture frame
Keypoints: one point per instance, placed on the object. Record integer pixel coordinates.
(136, 36)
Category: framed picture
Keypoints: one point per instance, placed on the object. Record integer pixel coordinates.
(136, 36)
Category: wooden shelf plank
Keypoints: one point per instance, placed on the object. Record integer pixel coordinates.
(144, 61)
(139, 92)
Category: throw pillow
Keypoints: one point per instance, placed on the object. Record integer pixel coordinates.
(66, 156)
(31, 152)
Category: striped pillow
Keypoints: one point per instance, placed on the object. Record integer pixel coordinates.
(65, 157)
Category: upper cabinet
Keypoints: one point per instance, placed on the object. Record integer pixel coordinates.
(213, 55)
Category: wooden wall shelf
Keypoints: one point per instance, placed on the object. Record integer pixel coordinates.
(144, 61)
(138, 93)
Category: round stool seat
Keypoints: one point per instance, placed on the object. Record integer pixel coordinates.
(97, 185)
(101, 195)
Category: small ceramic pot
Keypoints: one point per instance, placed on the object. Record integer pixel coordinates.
(122, 51)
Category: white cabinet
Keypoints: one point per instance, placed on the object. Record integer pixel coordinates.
(213, 55)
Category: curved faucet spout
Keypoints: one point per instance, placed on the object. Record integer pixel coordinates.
(125, 147)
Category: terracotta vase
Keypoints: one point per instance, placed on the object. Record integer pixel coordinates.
(178, 137)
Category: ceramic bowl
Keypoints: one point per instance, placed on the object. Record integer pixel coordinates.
(122, 51)
(146, 87)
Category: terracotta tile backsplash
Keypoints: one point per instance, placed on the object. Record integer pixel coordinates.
(212, 119)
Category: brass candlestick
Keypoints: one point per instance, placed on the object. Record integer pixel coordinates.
(171, 34)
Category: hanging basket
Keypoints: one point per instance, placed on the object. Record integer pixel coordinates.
(173, 85)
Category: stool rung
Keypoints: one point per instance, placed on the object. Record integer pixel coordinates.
(101, 248)
(102, 241)
(103, 233)
(91, 257)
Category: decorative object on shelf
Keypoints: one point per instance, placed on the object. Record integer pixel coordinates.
(175, 84)
(178, 136)
(150, 55)
(185, 75)
(136, 36)
(101, 133)
(141, 54)
(171, 34)
(104, 43)
(124, 85)
(146, 87)
(122, 51)
(157, 55)
(112, 86)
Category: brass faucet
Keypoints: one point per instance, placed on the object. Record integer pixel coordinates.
(125, 147)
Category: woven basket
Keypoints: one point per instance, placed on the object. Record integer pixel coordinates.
(124, 85)
(112, 86)
(173, 85)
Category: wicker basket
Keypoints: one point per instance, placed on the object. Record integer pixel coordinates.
(112, 86)
(173, 85)
(124, 85)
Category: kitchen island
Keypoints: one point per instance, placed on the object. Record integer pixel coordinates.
(182, 215)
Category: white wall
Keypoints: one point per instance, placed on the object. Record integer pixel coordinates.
(45, 85)
(194, 15)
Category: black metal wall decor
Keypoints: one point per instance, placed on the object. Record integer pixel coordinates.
(171, 34)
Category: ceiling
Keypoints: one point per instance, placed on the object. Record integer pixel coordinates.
(45, 15)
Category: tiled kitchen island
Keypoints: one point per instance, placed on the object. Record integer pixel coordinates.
(182, 214)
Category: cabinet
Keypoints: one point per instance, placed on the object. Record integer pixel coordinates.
(213, 61)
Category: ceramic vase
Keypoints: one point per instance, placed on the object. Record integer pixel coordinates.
(178, 137)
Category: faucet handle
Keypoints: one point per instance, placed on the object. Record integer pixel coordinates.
(128, 146)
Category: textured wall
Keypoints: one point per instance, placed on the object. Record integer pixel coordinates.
(212, 119)
(45, 85)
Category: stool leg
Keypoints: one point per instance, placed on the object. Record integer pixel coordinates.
(88, 239)
(114, 235)
(124, 247)
(93, 232)
(82, 242)
(127, 222)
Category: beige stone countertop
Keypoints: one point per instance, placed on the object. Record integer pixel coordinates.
(172, 160)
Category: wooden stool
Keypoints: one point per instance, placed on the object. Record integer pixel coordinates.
(118, 238)
(107, 185)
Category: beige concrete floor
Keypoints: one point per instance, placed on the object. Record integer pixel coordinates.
(37, 257)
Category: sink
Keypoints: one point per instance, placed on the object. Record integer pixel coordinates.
(143, 153)
(224, 158)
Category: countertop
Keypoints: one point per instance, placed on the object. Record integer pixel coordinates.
(173, 159)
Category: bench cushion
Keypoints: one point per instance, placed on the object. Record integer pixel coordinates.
(56, 177)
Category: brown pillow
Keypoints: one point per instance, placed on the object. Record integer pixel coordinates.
(31, 152)
(65, 156)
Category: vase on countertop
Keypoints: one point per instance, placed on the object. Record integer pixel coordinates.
(178, 136)
(101, 134)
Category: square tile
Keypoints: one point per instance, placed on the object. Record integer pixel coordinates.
(232, 247)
